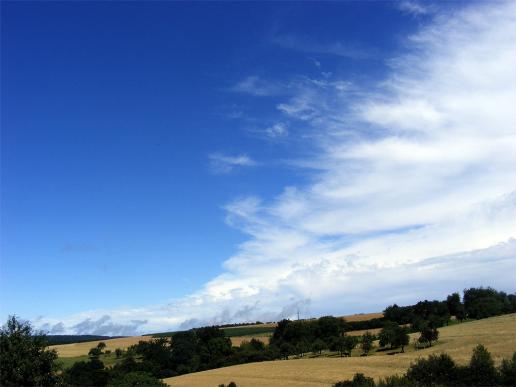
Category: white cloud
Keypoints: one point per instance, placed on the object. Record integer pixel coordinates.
(256, 86)
(279, 129)
(222, 164)
(413, 191)
(308, 45)
(416, 7)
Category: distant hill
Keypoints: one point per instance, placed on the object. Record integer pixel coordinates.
(69, 339)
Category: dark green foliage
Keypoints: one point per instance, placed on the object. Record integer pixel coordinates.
(395, 381)
(302, 334)
(137, 379)
(344, 344)
(434, 371)
(487, 302)
(387, 335)
(318, 346)
(95, 352)
(482, 371)
(68, 339)
(359, 380)
(118, 353)
(367, 342)
(508, 371)
(455, 307)
(24, 357)
(428, 335)
(87, 373)
(364, 325)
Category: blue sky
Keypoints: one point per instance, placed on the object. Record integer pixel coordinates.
(166, 165)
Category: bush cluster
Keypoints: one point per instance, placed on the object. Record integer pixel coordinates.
(441, 370)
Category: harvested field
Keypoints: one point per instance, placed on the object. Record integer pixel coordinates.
(82, 349)
(498, 334)
(362, 316)
(236, 341)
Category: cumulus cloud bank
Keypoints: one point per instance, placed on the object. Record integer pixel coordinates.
(413, 191)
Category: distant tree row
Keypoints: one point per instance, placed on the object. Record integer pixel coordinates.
(476, 303)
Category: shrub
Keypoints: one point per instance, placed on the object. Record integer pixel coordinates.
(436, 370)
(508, 371)
(359, 380)
(137, 379)
(482, 371)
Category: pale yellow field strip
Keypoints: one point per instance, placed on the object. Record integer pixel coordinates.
(80, 349)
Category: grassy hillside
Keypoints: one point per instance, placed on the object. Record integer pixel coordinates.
(498, 334)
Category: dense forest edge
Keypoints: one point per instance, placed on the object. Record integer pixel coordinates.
(26, 360)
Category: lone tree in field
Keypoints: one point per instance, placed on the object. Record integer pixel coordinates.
(401, 338)
(95, 353)
(428, 335)
(367, 342)
(24, 357)
(101, 346)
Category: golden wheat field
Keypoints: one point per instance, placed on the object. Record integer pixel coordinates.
(498, 334)
(80, 349)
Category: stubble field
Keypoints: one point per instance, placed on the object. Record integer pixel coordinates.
(498, 334)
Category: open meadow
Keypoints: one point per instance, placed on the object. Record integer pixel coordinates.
(498, 334)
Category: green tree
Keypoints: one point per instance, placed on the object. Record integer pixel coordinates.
(101, 346)
(367, 342)
(401, 338)
(359, 380)
(454, 304)
(318, 345)
(437, 370)
(482, 371)
(387, 335)
(94, 353)
(428, 335)
(137, 379)
(87, 373)
(286, 349)
(24, 357)
(508, 371)
(118, 353)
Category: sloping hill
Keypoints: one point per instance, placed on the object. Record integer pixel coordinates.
(81, 349)
(498, 334)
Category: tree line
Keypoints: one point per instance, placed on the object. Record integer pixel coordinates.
(26, 360)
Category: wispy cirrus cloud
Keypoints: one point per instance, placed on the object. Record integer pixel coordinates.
(416, 8)
(412, 190)
(221, 163)
(308, 45)
(259, 87)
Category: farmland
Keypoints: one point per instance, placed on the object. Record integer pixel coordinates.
(238, 334)
(498, 334)
(81, 349)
